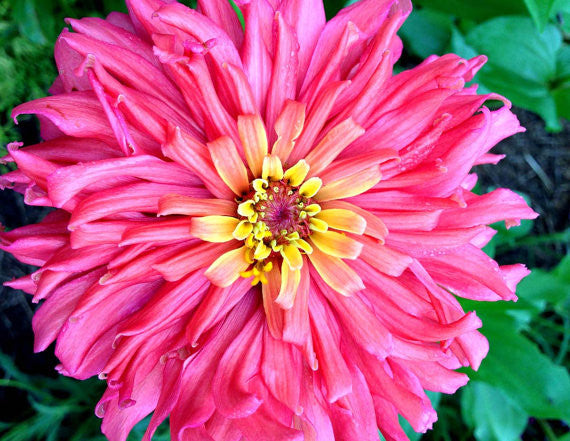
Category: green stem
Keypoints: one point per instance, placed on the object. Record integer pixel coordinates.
(562, 236)
(24, 386)
(547, 430)
(565, 341)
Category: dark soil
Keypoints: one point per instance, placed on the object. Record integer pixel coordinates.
(538, 165)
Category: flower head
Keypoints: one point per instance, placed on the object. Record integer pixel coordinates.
(261, 231)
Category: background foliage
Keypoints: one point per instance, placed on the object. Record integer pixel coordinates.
(522, 390)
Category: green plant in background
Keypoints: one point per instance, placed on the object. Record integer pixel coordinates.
(526, 42)
(60, 409)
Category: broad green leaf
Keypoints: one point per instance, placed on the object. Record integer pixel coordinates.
(563, 63)
(514, 45)
(539, 11)
(25, 13)
(541, 287)
(427, 32)
(491, 415)
(478, 10)
(525, 375)
(522, 62)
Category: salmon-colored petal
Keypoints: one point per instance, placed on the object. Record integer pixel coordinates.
(214, 228)
(288, 127)
(343, 219)
(189, 206)
(226, 269)
(254, 141)
(336, 244)
(290, 280)
(334, 142)
(337, 274)
(172, 230)
(273, 311)
(375, 227)
(229, 165)
(184, 262)
(351, 185)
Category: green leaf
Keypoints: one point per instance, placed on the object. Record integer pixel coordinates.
(525, 375)
(26, 15)
(539, 11)
(478, 10)
(427, 32)
(522, 62)
(541, 287)
(491, 415)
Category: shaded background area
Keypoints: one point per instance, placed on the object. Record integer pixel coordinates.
(523, 389)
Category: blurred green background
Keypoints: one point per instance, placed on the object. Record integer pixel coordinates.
(522, 390)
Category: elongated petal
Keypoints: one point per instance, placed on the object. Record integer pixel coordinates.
(185, 205)
(343, 219)
(288, 127)
(337, 274)
(289, 284)
(336, 244)
(229, 165)
(254, 141)
(214, 228)
(334, 142)
(226, 269)
(351, 185)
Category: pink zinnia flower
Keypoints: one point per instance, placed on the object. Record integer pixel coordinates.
(261, 233)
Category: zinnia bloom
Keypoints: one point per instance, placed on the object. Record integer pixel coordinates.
(261, 232)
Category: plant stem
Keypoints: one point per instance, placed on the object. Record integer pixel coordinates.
(547, 430)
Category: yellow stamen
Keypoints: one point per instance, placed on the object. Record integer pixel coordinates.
(243, 230)
(261, 251)
(246, 208)
(304, 245)
(292, 256)
(318, 225)
(272, 168)
(259, 185)
(297, 174)
(310, 187)
(313, 209)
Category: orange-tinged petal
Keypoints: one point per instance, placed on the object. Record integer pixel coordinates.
(272, 168)
(334, 142)
(375, 227)
(226, 269)
(289, 283)
(337, 244)
(229, 165)
(274, 314)
(189, 206)
(288, 128)
(254, 141)
(344, 220)
(214, 228)
(292, 256)
(351, 185)
(337, 274)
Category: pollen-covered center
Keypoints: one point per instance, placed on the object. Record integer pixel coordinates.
(277, 215)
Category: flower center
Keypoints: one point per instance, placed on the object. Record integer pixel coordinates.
(276, 217)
